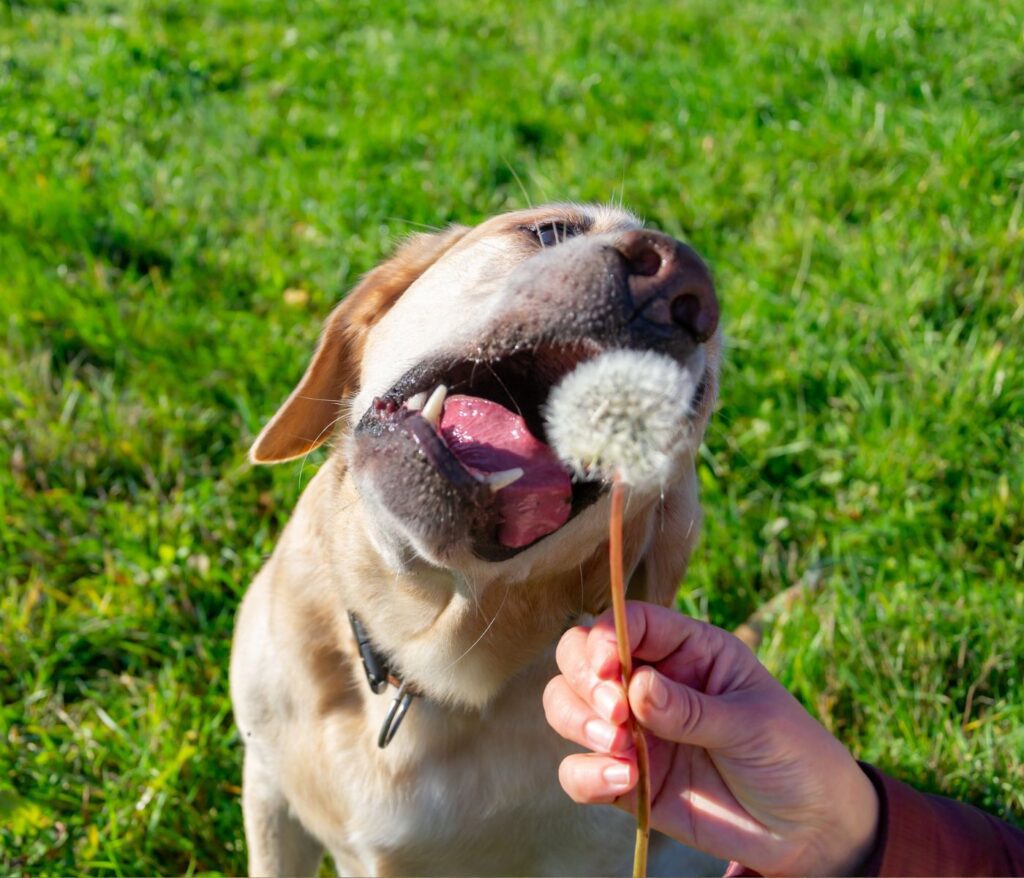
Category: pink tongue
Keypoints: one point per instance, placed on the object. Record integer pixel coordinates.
(487, 438)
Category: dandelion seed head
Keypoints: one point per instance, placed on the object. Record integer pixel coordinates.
(624, 413)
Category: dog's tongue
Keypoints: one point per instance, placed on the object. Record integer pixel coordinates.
(487, 438)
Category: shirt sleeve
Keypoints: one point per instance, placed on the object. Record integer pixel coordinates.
(922, 834)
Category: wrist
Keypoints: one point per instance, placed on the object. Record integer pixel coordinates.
(858, 826)
(841, 844)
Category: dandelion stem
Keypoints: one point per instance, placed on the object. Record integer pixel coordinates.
(618, 589)
(617, 583)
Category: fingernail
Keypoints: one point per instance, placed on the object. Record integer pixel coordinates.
(606, 698)
(657, 691)
(616, 776)
(599, 734)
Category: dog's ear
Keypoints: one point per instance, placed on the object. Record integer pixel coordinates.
(308, 416)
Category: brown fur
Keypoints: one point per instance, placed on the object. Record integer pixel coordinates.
(469, 786)
(308, 416)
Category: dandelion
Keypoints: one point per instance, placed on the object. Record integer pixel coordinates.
(624, 417)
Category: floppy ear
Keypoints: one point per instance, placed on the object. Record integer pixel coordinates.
(308, 416)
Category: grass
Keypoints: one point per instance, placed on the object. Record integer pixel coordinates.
(854, 173)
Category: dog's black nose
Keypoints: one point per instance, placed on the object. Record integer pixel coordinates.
(669, 285)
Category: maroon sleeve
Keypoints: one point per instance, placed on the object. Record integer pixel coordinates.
(921, 834)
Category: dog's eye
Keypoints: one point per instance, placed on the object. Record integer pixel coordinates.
(550, 234)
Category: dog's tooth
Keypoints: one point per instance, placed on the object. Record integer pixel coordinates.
(415, 403)
(433, 406)
(497, 481)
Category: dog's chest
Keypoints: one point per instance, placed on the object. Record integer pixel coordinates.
(460, 817)
(457, 795)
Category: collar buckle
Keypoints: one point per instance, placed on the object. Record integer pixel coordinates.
(376, 667)
(396, 713)
(379, 676)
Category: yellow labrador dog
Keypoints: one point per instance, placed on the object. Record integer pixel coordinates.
(390, 659)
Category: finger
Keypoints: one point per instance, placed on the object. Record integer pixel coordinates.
(574, 720)
(606, 697)
(676, 712)
(658, 633)
(593, 779)
(602, 646)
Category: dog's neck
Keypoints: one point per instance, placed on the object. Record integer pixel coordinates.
(456, 642)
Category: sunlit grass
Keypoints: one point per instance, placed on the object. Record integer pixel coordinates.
(854, 174)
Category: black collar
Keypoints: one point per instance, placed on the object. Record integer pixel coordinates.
(379, 676)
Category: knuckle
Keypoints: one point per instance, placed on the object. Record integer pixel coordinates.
(636, 623)
(552, 696)
(602, 649)
(568, 778)
(567, 653)
(689, 711)
(603, 629)
(560, 709)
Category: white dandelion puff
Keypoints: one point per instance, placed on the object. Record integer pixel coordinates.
(624, 414)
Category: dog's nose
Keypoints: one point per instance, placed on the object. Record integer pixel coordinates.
(669, 285)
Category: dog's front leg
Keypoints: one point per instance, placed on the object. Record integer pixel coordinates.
(278, 843)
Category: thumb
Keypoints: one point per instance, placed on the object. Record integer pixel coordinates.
(675, 712)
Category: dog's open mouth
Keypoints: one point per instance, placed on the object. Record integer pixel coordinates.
(480, 424)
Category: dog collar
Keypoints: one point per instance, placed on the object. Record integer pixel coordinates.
(379, 676)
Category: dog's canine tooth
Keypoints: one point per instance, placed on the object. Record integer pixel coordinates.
(497, 481)
(433, 406)
(415, 403)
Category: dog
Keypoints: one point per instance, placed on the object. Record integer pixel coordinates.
(420, 562)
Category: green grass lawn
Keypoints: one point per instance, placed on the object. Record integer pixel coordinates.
(168, 170)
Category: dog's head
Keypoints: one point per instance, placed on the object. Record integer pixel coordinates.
(494, 316)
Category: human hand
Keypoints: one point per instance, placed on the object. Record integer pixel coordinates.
(738, 768)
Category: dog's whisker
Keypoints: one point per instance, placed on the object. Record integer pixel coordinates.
(622, 183)
(504, 387)
(425, 226)
(472, 588)
(483, 634)
(327, 428)
(522, 188)
(472, 371)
